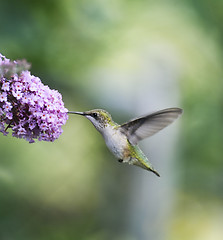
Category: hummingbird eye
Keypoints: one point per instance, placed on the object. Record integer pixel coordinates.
(95, 115)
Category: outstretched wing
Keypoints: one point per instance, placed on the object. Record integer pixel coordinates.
(148, 125)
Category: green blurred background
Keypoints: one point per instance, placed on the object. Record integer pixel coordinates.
(129, 57)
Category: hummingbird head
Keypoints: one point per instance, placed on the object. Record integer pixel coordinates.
(99, 118)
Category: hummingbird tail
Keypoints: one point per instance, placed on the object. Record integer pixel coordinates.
(154, 171)
(146, 165)
(139, 159)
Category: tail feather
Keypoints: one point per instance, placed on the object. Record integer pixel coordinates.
(139, 159)
(154, 171)
(146, 166)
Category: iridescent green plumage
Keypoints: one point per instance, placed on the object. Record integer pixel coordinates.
(139, 159)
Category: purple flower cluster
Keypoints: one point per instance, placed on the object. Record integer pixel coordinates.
(32, 110)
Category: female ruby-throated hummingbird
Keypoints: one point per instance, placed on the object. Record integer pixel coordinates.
(122, 139)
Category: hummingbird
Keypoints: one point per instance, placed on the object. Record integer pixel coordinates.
(122, 140)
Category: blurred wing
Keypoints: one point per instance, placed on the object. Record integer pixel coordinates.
(147, 126)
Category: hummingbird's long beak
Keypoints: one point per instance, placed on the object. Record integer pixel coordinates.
(79, 113)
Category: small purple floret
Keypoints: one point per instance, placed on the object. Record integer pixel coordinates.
(32, 110)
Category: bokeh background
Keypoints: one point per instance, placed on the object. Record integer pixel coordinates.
(129, 57)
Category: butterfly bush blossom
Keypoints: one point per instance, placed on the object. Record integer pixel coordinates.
(32, 110)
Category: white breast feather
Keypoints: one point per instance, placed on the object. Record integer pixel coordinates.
(115, 141)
